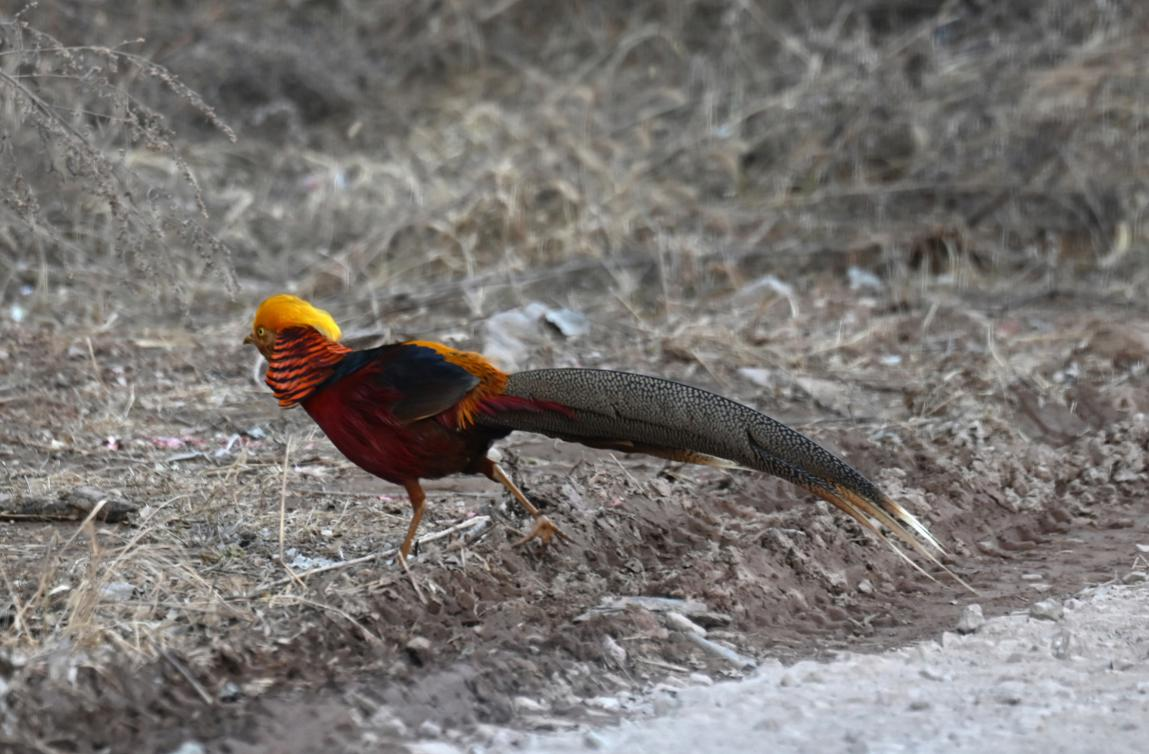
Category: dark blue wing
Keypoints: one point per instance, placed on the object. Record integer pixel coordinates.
(415, 380)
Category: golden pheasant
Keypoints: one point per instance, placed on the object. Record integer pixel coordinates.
(422, 410)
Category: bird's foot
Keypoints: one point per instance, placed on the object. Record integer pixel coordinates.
(544, 530)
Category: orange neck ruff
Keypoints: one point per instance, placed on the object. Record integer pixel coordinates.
(301, 361)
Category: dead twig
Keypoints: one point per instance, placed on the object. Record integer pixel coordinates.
(718, 650)
(200, 691)
(390, 552)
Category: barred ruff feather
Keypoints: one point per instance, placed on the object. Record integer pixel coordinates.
(303, 359)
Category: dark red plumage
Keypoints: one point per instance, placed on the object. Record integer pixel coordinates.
(402, 412)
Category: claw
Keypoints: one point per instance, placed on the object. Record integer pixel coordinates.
(544, 530)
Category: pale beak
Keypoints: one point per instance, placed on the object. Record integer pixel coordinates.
(249, 341)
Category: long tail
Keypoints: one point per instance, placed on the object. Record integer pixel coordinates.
(635, 413)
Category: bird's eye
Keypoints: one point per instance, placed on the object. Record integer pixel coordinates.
(260, 332)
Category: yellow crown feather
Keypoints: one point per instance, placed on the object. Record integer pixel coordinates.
(284, 311)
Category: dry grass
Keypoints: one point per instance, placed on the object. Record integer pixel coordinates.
(687, 146)
(905, 226)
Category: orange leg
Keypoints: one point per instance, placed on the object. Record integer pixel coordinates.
(544, 529)
(415, 492)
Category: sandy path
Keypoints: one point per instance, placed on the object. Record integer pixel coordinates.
(1078, 683)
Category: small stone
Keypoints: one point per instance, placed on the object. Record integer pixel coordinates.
(433, 747)
(419, 647)
(1143, 549)
(837, 580)
(607, 703)
(918, 705)
(117, 591)
(429, 729)
(1135, 577)
(613, 651)
(1009, 698)
(189, 747)
(257, 686)
(1032, 577)
(592, 740)
(701, 679)
(865, 586)
(788, 679)
(971, 619)
(1047, 610)
(230, 692)
(933, 674)
(386, 723)
(526, 704)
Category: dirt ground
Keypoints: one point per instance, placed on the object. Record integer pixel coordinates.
(1033, 495)
(1065, 678)
(913, 230)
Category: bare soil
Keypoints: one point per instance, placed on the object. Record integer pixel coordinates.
(181, 625)
(914, 229)
(1064, 677)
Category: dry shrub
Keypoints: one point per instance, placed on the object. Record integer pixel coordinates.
(94, 184)
(422, 152)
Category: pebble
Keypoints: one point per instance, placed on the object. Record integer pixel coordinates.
(526, 704)
(932, 674)
(971, 619)
(865, 586)
(592, 740)
(1047, 610)
(433, 747)
(429, 729)
(1135, 577)
(230, 692)
(608, 703)
(419, 645)
(117, 591)
(385, 720)
(701, 679)
(190, 747)
(614, 651)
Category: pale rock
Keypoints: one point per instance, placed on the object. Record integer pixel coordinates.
(971, 619)
(1047, 610)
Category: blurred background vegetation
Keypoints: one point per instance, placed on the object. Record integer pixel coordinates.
(461, 156)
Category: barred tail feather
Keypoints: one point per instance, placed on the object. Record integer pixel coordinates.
(640, 414)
